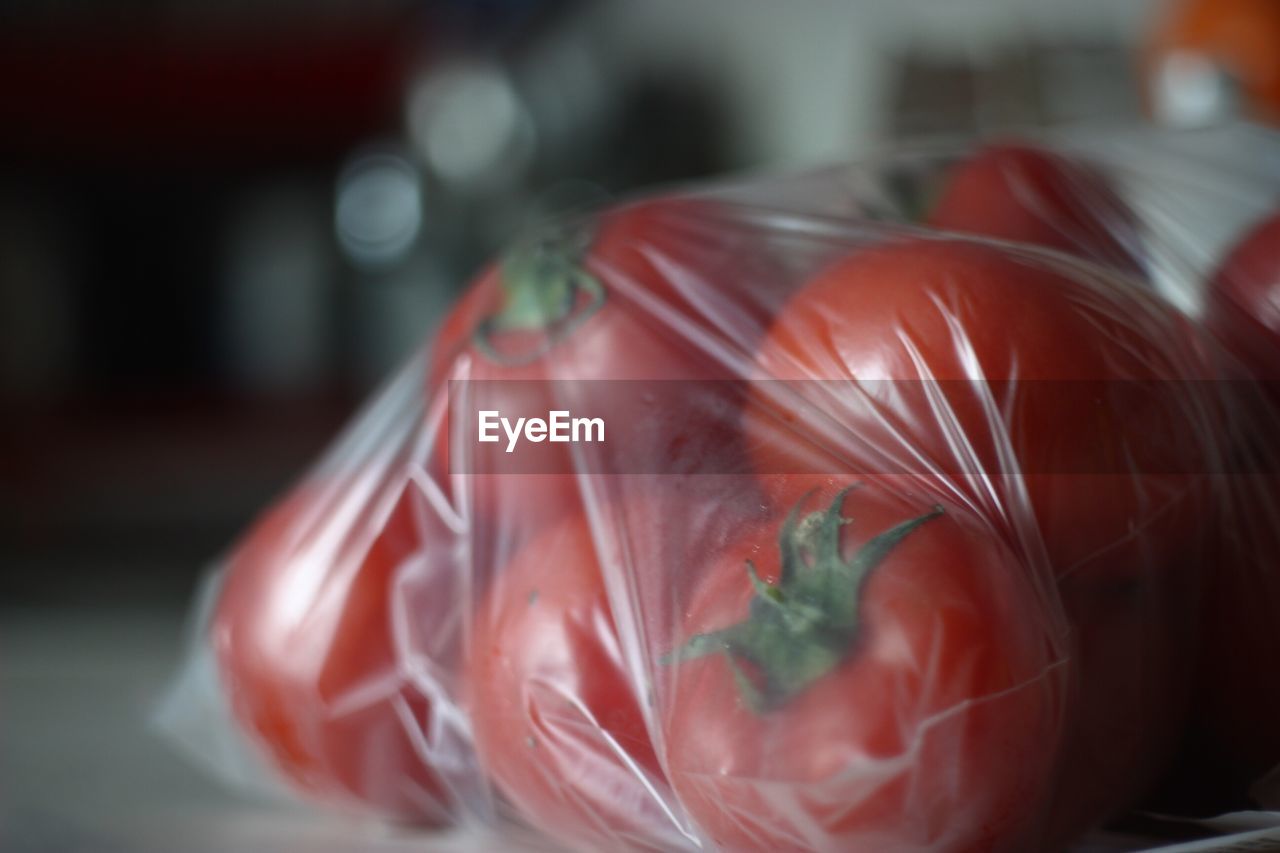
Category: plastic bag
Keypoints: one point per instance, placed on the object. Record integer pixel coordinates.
(879, 507)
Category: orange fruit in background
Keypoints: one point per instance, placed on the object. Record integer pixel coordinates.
(1238, 38)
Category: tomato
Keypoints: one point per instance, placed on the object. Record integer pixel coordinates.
(557, 719)
(1056, 410)
(325, 604)
(872, 671)
(1237, 704)
(660, 290)
(922, 343)
(1243, 302)
(661, 261)
(1014, 191)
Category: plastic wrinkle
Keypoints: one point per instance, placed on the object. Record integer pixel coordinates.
(875, 583)
(871, 772)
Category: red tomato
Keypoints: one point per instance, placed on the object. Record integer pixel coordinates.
(874, 672)
(1013, 191)
(325, 603)
(661, 290)
(1080, 391)
(662, 262)
(1084, 384)
(1237, 703)
(1243, 305)
(1234, 738)
(558, 723)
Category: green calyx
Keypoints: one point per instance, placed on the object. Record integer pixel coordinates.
(805, 625)
(546, 291)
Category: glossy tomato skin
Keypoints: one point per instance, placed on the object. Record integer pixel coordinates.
(939, 728)
(664, 290)
(558, 722)
(306, 638)
(1114, 496)
(1086, 383)
(1018, 192)
(1243, 305)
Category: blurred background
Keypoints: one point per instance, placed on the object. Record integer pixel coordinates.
(222, 222)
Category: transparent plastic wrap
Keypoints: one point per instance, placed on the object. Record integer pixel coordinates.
(921, 504)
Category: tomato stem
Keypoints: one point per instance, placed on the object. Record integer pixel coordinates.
(802, 627)
(545, 289)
